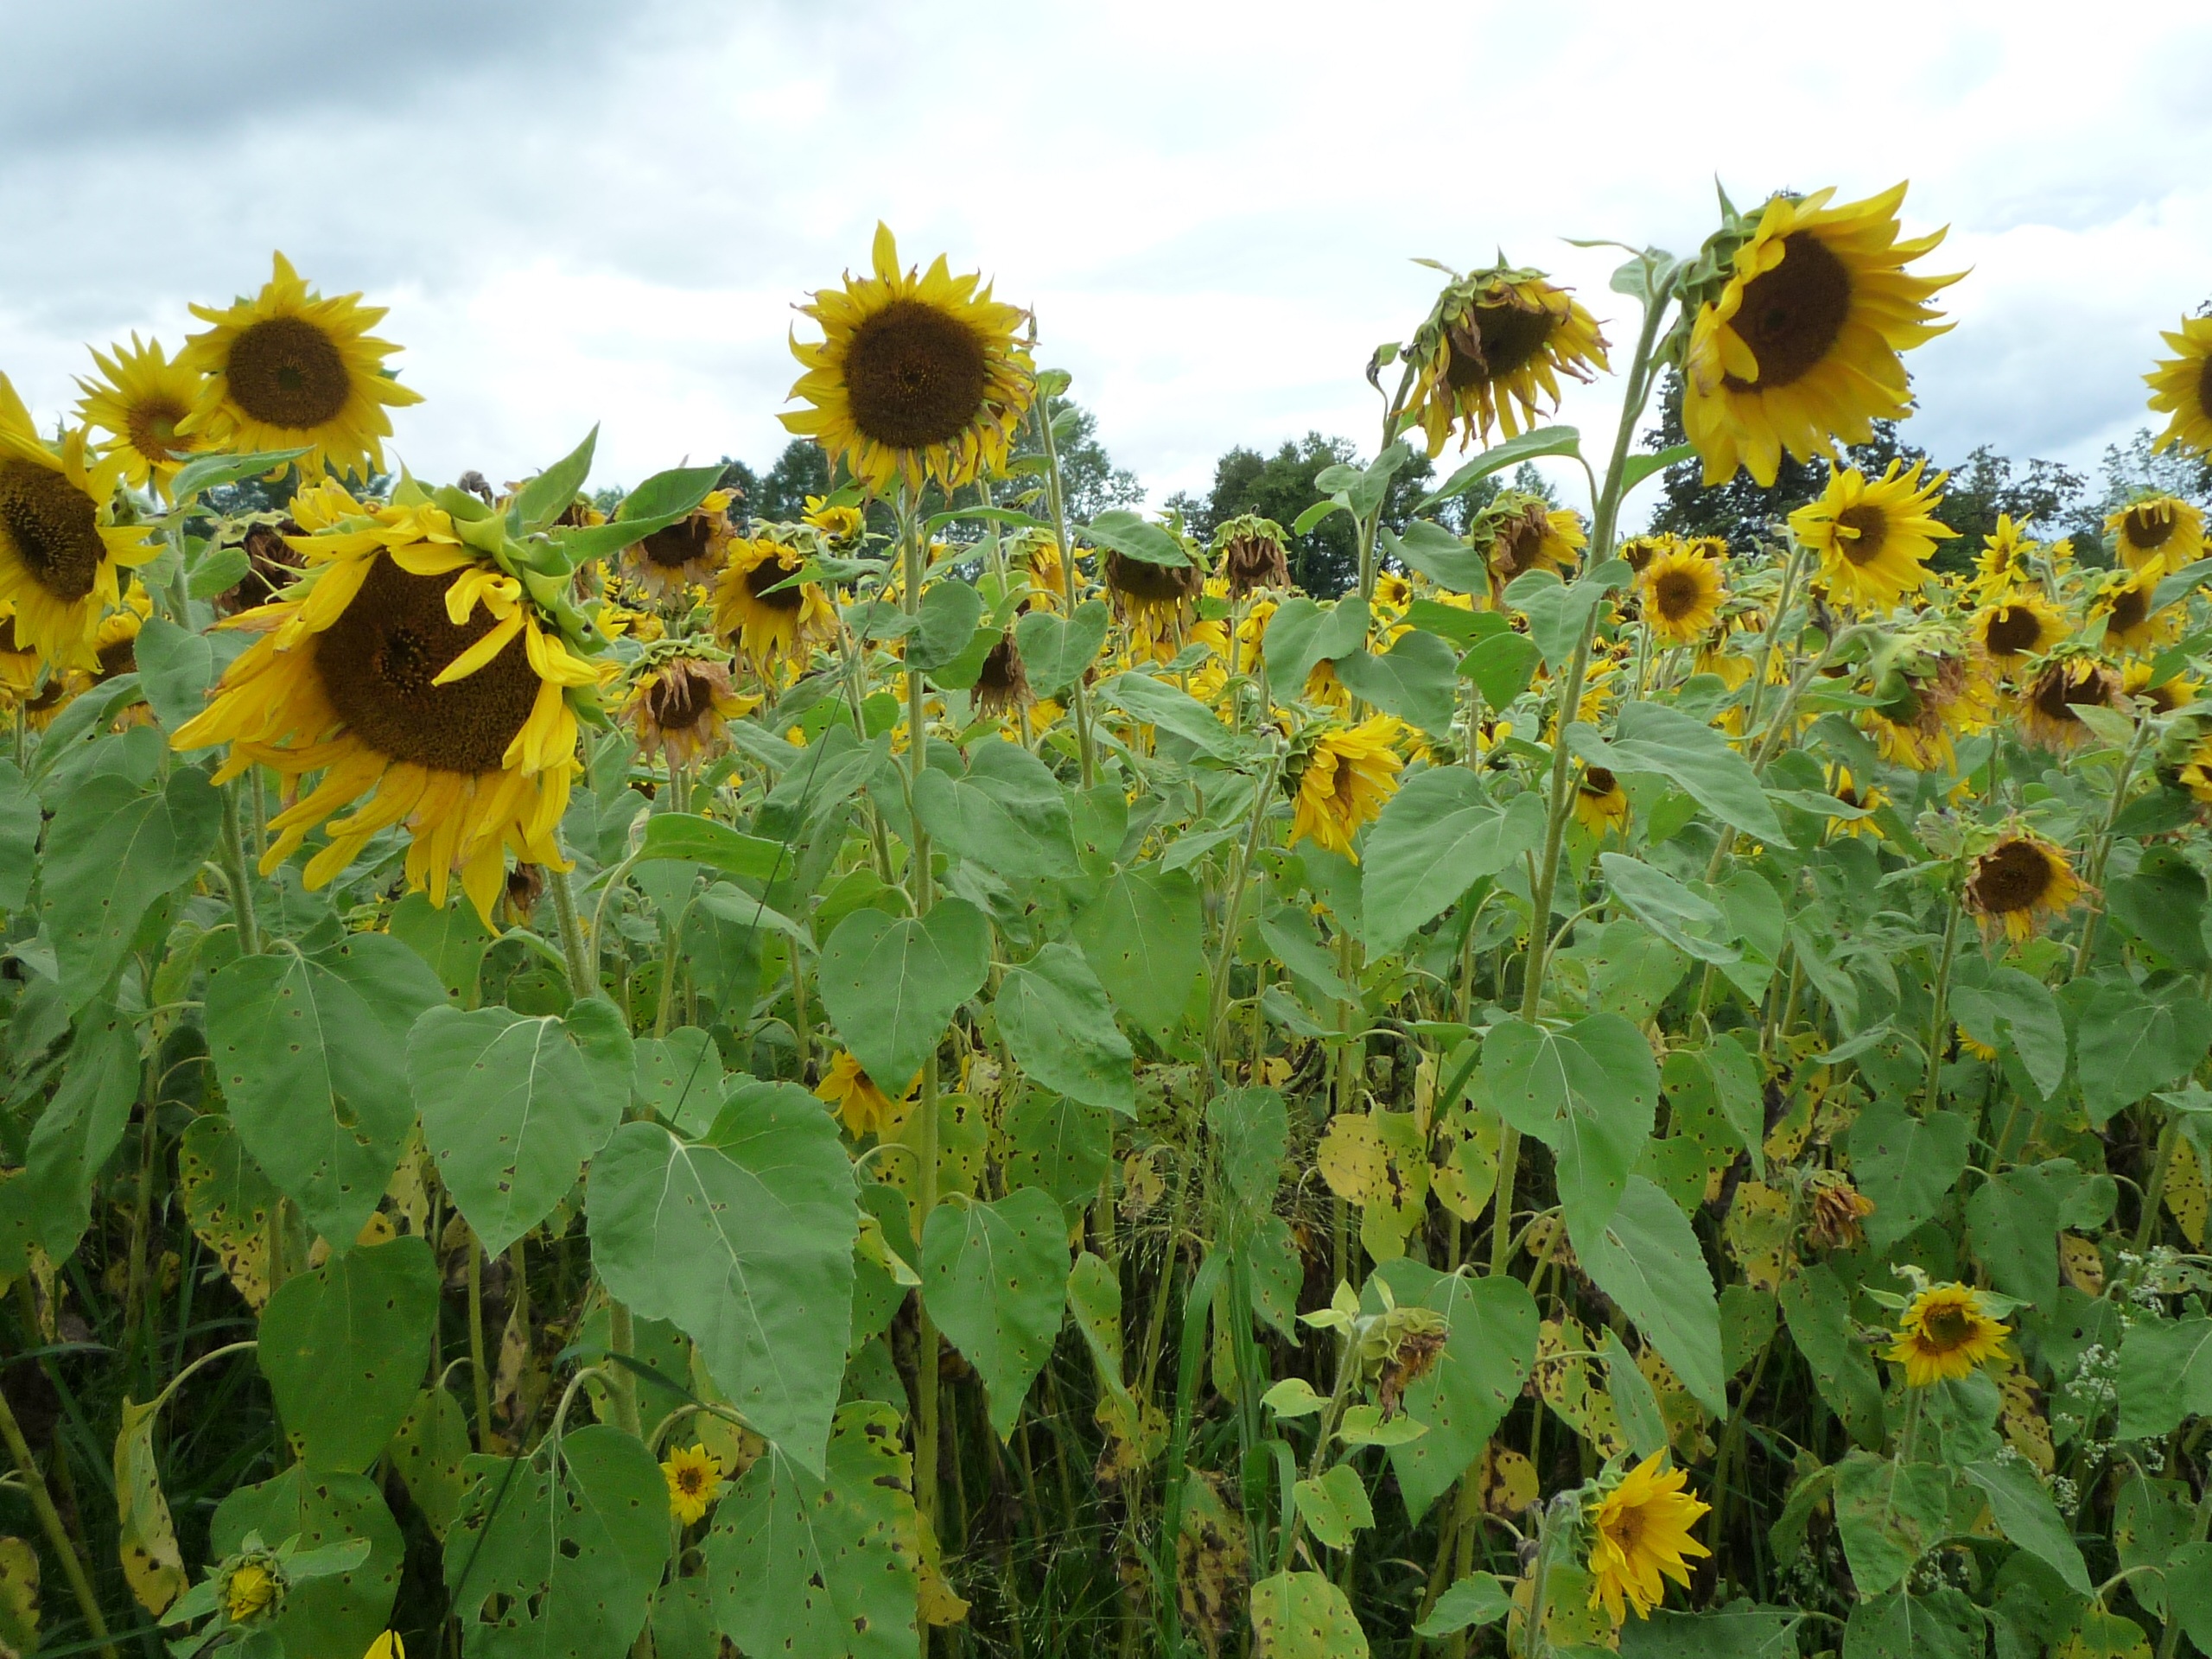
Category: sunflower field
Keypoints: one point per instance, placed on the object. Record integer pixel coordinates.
(594, 1075)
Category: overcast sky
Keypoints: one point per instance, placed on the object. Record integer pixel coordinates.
(586, 212)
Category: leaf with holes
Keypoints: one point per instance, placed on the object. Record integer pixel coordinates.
(994, 1279)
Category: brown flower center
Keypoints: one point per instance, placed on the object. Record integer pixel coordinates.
(1493, 341)
(1676, 594)
(1791, 316)
(1598, 783)
(151, 427)
(377, 660)
(2148, 527)
(2131, 607)
(680, 699)
(2014, 630)
(680, 543)
(2058, 689)
(54, 526)
(692, 1479)
(915, 376)
(1947, 1327)
(761, 582)
(1872, 525)
(2011, 876)
(286, 372)
(1158, 584)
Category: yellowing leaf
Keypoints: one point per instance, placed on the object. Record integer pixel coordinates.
(2188, 1194)
(1566, 1385)
(145, 1536)
(1758, 1233)
(1378, 1161)
(1465, 1172)
(2084, 1268)
(1508, 1481)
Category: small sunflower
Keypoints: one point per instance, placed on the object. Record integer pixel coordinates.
(1682, 595)
(1945, 1333)
(863, 1108)
(2021, 624)
(2019, 880)
(405, 667)
(695, 1481)
(2006, 559)
(2182, 386)
(59, 545)
(2168, 695)
(691, 551)
(253, 1589)
(2068, 681)
(115, 642)
(1349, 777)
(139, 399)
(680, 704)
(2123, 600)
(289, 369)
(1801, 346)
(754, 606)
(2157, 534)
(1709, 546)
(1638, 551)
(1874, 539)
(915, 377)
(1518, 533)
(1845, 788)
(19, 663)
(839, 525)
(1493, 347)
(1600, 802)
(1837, 1210)
(1640, 1535)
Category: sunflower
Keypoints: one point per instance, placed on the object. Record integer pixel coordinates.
(1040, 556)
(1874, 540)
(2182, 386)
(1600, 802)
(680, 702)
(1640, 1530)
(2123, 599)
(754, 607)
(1945, 1333)
(288, 370)
(1519, 532)
(251, 1589)
(19, 663)
(405, 667)
(691, 551)
(695, 1481)
(2020, 878)
(839, 524)
(2069, 680)
(1837, 1210)
(1352, 773)
(1927, 699)
(1801, 346)
(59, 545)
(1638, 551)
(138, 401)
(1709, 546)
(1682, 595)
(2157, 534)
(1002, 686)
(2006, 560)
(2168, 695)
(2020, 624)
(1495, 344)
(1249, 550)
(863, 1108)
(1156, 596)
(115, 643)
(1845, 788)
(914, 378)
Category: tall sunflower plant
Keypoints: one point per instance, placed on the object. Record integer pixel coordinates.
(600, 1070)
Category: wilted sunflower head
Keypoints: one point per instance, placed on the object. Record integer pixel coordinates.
(1492, 348)
(139, 400)
(1003, 684)
(758, 607)
(2068, 680)
(1800, 346)
(1518, 533)
(1154, 593)
(1836, 1209)
(2020, 624)
(2019, 880)
(681, 702)
(691, 551)
(1875, 538)
(840, 523)
(1638, 551)
(1927, 694)
(289, 369)
(1681, 593)
(272, 564)
(915, 377)
(1249, 552)
(2157, 534)
(2182, 386)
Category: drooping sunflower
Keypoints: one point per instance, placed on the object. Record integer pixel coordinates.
(695, 1481)
(1800, 348)
(1002, 685)
(1250, 550)
(1874, 539)
(289, 369)
(1945, 1332)
(1495, 345)
(2157, 533)
(2168, 695)
(1152, 596)
(1600, 802)
(1930, 695)
(862, 1107)
(59, 545)
(681, 702)
(1714, 548)
(915, 377)
(753, 606)
(19, 663)
(405, 667)
(1681, 592)
(1640, 1536)
(1638, 551)
(1845, 788)
(2019, 880)
(2182, 386)
(2123, 599)
(114, 644)
(1518, 533)
(2070, 679)
(692, 550)
(1351, 774)
(139, 400)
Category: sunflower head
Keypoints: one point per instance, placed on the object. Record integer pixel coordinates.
(1799, 346)
(1493, 348)
(680, 704)
(1249, 552)
(1682, 595)
(1518, 533)
(695, 1481)
(289, 369)
(862, 1107)
(1638, 551)
(1600, 802)
(1157, 595)
(1873, 538)
(1836, 1209)
(691, 551)
(1926, 694)
(838, 525)
(2181, 386)
(2018, 881)
(2018, 625)
(1003, 684)
(254, 1587)
(2124, 599)
(915, 377)
(1640, 1525)
(139, 399)
(2157, 534)
(2178, 691)
(760, 609)
(2070, 679)
(1946, 1332)
(1864, 797)
(1348, 774)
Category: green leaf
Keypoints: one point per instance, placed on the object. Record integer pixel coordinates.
(1143, 937)
(1301, 633)
(175, 667)
(1489, 1344)
(21, 822)
(1335, 1506)
(1589, 1092)
(1890, 1515)
(1557, 611)
(557, 1556)
(1055, 653)
(1646, 1257)
(973, 823)
(2132, 1043)
(49, 1203)
(2188, 1587)
(1940, 1625)
(679, 1077)
(2012, 1222)
(666, 496)
(334, 1617)
(2024, 1508)
(1479, 1599)
(1906, 1165)
(950, 612)
(1540, 441)
(452, 941)
(690, 839)
(1054, 1015)
(1129, 534)
(218, 571)
(111, 851)
(994, 1280)
(344, 1347)
(513, 1107)
(1251, 1136)
(1652, 738)
(1303, 1616)
(1314, 514)
(1414, 680)
(1741, 1629)
(2163, 902)
(1154, 702)
(311, 1053)
(1438, 835)
(2011, 1004)
(1634, 1402)
(1818, 1309)
(822, 1565)
(544, 497)
(1446, 560)
(2165, 1374)
(229, 1203)
(892, 986)
(429, 1449)
(743, 1241)
(1640, 467)
(1692, 924)
(212, 471)
(1502, 666)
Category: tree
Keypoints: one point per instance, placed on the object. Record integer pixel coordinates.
(779, 495)
(1324, 561)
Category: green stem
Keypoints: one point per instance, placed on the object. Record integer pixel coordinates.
(236, 875)
(480, 1382)
(583, 974)
(621, 1380)
(1055, 500)
(57, 1534)
(2102, 850)
(1939, 1014)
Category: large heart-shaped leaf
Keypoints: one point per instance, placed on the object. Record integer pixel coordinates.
(892, 985)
